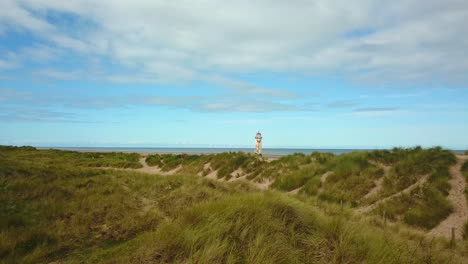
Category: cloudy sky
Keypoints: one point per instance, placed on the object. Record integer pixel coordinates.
(306, 73)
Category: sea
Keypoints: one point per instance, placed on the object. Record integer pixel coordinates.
(266, 151)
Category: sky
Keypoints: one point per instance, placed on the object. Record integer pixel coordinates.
(206, 73)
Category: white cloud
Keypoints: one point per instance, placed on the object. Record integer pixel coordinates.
(15, 16)
(232, 103)
(6, 65)
(40, 53)
(9, 60)
(403, 40)
(60, 75)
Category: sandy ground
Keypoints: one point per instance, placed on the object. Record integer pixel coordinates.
(457, 198)
(378, 186)
(379, 182)
(213, 173)
(237, 173)
(323, 179)
(263, 185)
(295, 191)
(405, 191)
(148, 169)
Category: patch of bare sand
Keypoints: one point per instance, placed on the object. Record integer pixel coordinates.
(457, 198)
(295, 191)
(206, 166)
(147, 204)
(265, 184)
(237, 173)
(323, 179)
(155, 169)
(213, 175)
(148, 169)
(376, 189)
(379, 182)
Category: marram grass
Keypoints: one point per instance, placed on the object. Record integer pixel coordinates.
(55, 208)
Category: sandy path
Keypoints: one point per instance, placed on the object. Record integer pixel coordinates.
(457, 198)
(156, 169)
(262, 185)
(323, 179)
(212, 175)
(376, 189)
(206, 166)
(295, 191)
(405, 191)
(148, 169)
(379, 182)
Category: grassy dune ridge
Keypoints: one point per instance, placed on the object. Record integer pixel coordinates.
(464, 170)
(54, 207)
(73, 158)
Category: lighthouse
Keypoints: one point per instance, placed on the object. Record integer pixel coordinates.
(258, 143)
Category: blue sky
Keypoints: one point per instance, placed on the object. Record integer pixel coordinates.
(323, 74)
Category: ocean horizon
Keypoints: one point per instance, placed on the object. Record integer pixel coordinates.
(166, 150)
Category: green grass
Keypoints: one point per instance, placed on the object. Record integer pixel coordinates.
(48, 212)
(154, 160)
(464, 170)
(311, 187)
(225, 163)
(64, 211)
(352, 178)
(296, 179)
(73, 158)
(410, 165)
(168, 161)
(426, 206)
(267, 228)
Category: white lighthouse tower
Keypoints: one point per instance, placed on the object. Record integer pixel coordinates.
(258, 143)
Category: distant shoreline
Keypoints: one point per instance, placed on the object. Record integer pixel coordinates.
(267, 152)
(144, 153)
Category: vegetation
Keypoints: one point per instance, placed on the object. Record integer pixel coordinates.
(465, 231)
(410, 165)
(299, 178)
(353, 176)
(426, 206)
(50, 212)
(56, 209)
(270, 228)
(226, 163)
(464, 170)
(73, 158)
